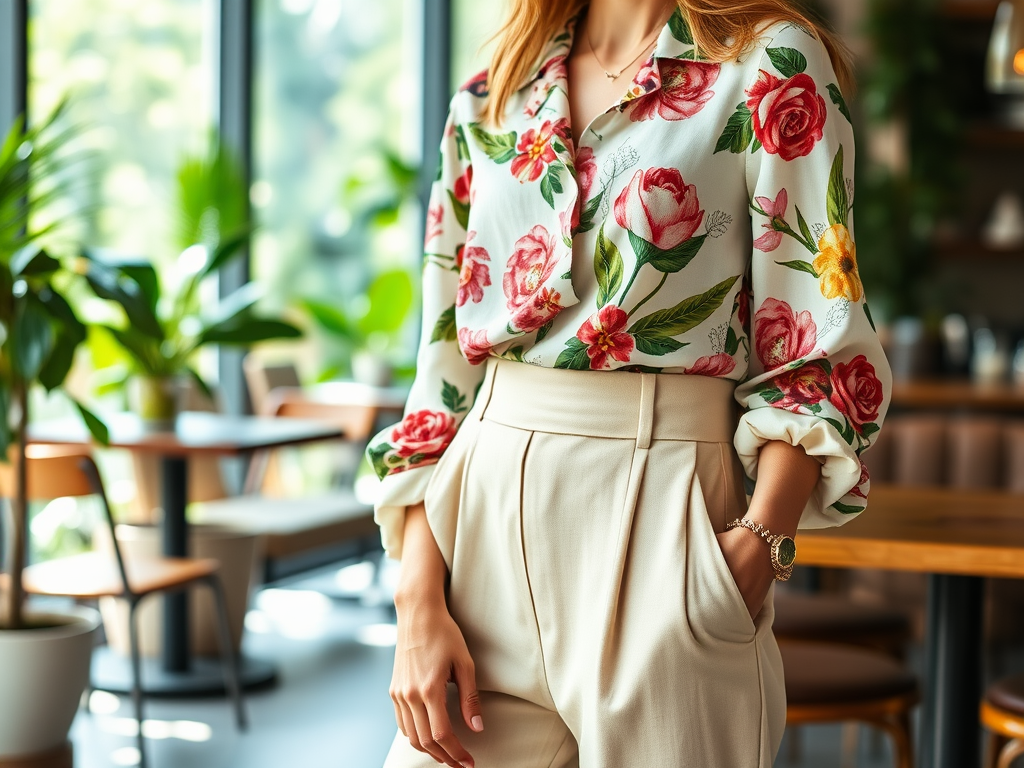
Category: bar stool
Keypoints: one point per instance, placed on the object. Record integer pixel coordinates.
(1002, 714)
(827, 683)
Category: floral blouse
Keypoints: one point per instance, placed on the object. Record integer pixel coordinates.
(702, 226)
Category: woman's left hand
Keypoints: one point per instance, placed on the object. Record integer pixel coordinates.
(750, 562)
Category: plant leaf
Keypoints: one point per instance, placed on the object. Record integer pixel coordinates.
(200, 383)
(608, 268)
(108, 282)
(738, 132)
(93, 423)
(500, 147)
(32, 336)
(574, 356)
(227, 248)
(31, 260)
(679, 28)
(687, 314)
(331, 319)
(59, 361)
(799, 266)
(444, 328)
(247, 330)
(838, 203)
(391, 296)
(788, 61)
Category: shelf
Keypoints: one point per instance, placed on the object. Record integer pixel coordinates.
(977, 10)
(990, 135)
(957, 395)
(960, 250)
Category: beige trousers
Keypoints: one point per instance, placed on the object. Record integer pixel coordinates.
(577, 513)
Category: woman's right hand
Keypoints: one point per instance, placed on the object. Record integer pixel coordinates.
(430, 653)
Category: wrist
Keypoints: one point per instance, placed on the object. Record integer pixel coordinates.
(781, 549)
(420, 597)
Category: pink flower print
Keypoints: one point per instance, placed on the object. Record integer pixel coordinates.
(659, 207)
(474, 275)
(550, 73)
(858, 490)
(857, 392)
(435, 217)
(474, 345)
(781, 335)
(586, 171)
(789, 115)
(775, 210)
(535, 153)
(713, 365)
(528, 269)
(801, 387)
(604, 336)
(425, 432)
(685, 89)
(569, 220)
(463, 189)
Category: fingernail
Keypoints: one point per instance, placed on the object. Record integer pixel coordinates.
(477, 723)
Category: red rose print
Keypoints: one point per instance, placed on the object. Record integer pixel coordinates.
(856, 391)
(536, 153)
(425, 432)
(801, 387)
(586, 171)
(685, 89)
(474, 275)
(864, 477)
(775, 210)
(713, 365)
(789, 115)
(435, 216)
(464, 186)
(551, 72)
(474, 345)
(659, 207)
(743, 299)
(528, 269)
(604, 337)
(780, 335)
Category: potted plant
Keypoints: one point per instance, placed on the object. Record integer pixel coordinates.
(44, 657)
(164, 321)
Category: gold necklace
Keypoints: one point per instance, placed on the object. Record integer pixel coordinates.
(616, 75)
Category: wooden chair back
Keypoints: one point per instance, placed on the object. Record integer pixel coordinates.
(61, 471)
(262, 379)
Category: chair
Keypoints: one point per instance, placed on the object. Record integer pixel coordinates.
(1002, 715)
(262, 379)
(311, 526)
(827, 683)
(63, 471)
(828, 618)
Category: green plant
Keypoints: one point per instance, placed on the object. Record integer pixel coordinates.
(906, 92)
(163, 329)
(39, 331)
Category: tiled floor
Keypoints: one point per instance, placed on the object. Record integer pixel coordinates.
(331, 708)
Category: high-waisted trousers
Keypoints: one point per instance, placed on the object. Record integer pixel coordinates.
(577, 512)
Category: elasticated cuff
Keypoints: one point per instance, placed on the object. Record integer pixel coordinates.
(396, 492)
(840, 466)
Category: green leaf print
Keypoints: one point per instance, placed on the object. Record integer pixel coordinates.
(453, 400)
(376, 455)
(732, 342)
(500, 147)
(755, 146)
(847, 509)
(799, 266)
(867, 430)
(543, 331)
(687, 314)
(608, 268)
(738, 133)
(679, 28)
(652, 343)
(461, 143)
(867, 312)
(546, 189)
(805, 230)
(460, 209)
(574, 356)
(589, 213)
(838, 203)
(516, 353)
(839, 101)
(675, 259)
(789, 61)
(444, 328)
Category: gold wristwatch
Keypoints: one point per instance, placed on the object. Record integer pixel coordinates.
(783, 548)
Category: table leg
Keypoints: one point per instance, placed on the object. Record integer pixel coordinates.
(950, 734)
(174, 494)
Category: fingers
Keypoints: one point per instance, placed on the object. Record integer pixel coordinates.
(443, 734)
(469, 697)
(424, 730)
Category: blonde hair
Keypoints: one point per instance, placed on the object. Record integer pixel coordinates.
(531, 23)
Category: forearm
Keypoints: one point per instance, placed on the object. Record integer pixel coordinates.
(786, 477)
(424, 574)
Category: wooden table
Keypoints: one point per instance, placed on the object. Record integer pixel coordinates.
(205, 434)
(957, 395)
(957, 538)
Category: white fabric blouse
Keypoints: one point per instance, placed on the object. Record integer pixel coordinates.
(703, 226)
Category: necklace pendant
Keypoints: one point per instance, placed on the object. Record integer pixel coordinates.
(611, 76)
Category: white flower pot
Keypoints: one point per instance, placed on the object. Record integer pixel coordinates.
(43, 674)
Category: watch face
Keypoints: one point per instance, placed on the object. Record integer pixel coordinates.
(786, 552)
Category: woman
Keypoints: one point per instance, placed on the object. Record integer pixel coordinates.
(566, 490)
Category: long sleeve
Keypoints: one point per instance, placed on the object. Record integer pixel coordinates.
(444, 389)
(817, 375)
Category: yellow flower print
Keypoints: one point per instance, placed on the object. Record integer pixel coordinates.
(836, 264)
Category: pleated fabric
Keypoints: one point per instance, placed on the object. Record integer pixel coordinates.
(577, 513)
